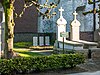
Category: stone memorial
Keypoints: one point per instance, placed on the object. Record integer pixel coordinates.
(61, 25)
(47, 40)
(75, 34)
(35, 41)
(2, 26)
(61, 29)
(74, 43)
(41, 41)
(75, 25)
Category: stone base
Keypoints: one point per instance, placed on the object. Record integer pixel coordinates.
(95, 53)
(69, 45)
(97, 35)
(88, 45)
(74, 45)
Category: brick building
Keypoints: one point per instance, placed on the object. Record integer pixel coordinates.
(26, 25)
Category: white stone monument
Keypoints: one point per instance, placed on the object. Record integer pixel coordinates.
(61, 25)
(35, 41)
(75, 25)
(41, 41)
(47, 40)
(75, 43)
(75, 34)
(2, 30)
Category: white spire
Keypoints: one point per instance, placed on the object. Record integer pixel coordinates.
(61, 10)
(75, 14)
(1, 9)
(61, 20)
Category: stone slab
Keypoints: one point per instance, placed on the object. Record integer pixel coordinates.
(35, 41)
(47, 40)
(70, 45)
(71, 42)
(41, 41)
(87, 42)
(88, 45)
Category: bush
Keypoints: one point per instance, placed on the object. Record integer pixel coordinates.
(29, 65)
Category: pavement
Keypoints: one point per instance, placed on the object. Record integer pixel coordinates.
(86, 73)
(44, 52)
(92, 67)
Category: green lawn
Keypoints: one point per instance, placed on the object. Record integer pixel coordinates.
(26, 52)
(22, 44)
(23, 49)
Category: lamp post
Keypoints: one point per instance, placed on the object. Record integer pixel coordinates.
(94, 15)
(1, 10)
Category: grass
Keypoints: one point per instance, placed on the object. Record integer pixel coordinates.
(22, 44)
(26, 53)
(23, 49)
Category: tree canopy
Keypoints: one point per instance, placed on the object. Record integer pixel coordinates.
(95, 10)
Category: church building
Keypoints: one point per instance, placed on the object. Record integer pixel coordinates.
(69, 6)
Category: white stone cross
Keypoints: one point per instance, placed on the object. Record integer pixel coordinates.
(75, 14)
(61, 10)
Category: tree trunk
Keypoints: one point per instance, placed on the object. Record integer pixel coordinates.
(9, 28)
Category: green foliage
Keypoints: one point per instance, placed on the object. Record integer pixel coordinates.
(49, 5)
(94, 9)
(22, 44)
(34, 64)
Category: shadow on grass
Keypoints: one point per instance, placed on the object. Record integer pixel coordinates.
(29, 54)
(26, 53)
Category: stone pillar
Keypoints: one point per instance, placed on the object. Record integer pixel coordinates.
(3, 30)
(61, 25)
(75, 28)
(0, 33)
(2, 25)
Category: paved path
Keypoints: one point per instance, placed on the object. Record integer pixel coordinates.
(86, 73)
(44, 52)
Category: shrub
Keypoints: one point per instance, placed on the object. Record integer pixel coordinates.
(28, 65)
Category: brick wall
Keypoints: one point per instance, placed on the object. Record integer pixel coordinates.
(87, 36)
(28, 22)
(28, 37)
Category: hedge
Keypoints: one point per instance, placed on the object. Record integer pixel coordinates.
(40, 63)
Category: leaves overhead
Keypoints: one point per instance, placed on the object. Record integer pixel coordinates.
(47, 7)
(94, 11)
(92, 1)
